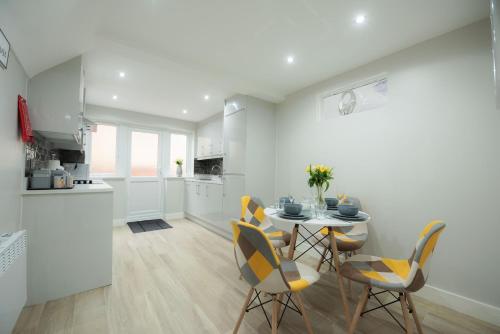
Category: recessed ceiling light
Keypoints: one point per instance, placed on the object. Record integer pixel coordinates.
(184, 111)
(290, 59)
(122, 74)
(360, 19)
(115, 97)
(206, 97)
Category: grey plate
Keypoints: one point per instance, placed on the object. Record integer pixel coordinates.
(291, 217)
(361, 216)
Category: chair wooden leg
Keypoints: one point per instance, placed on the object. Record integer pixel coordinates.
(406, 315)
(414, 313)
(359, 308)
(243, 311)
(323, 256)
(335, 253)
(300, 303)
(275, 314)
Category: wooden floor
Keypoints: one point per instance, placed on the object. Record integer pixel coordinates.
(185, 280)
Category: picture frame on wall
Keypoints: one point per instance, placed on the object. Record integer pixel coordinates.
(4, 50)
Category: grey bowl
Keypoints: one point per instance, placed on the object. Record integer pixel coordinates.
(285, 200)
(293, 208)
(331, 201)
(348, 210)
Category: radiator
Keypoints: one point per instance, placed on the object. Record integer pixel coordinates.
(12, 279)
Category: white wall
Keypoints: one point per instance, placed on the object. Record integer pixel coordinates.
(13, 81)
(433, 153)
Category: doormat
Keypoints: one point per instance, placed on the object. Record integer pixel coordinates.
(148, 225)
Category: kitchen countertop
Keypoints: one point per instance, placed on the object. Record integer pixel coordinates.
(78, 189)
(213, 181)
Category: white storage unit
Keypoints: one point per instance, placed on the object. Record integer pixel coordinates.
(209, 138)
(57, 102)
(249, 151)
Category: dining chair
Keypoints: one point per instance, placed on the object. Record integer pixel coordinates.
(268, 273)
(252, 212)
(402, 276)
(349, 239)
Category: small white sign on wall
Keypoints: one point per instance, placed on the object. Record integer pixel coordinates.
(362, 96)
(4, 50)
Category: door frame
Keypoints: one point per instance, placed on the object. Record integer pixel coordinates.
(145, 214)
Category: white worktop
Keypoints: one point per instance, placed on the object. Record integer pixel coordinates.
(216, 180)
(78, 189)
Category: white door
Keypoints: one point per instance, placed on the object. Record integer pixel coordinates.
(145, 193)
(235, 142)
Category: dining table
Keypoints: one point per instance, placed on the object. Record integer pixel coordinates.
(309, 229)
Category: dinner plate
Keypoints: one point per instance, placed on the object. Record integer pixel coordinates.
(361, 216)
(293, 217)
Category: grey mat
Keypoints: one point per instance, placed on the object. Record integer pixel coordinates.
(148, 225)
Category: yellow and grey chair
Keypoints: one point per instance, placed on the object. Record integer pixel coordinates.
(269, 274)
(402, 276)
(349, 239)
(252, 212)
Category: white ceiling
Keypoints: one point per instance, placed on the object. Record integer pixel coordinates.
(175, 51)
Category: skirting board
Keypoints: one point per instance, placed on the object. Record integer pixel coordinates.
(209, 226)
(119, 222)
(474, 308)
(174, 215)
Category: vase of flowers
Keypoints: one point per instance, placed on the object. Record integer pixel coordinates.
(179, 163)
(319, 180)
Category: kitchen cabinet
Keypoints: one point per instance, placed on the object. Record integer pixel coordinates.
(249, 147)
(235, 142)
(203, 199)
(57, 101)
(209, 138)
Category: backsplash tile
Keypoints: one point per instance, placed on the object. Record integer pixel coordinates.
(205, 166)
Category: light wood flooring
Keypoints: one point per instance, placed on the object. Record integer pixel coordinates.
(185, 280)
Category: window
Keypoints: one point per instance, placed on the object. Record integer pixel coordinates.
(103, 150)
(178, 150)
(144, 154)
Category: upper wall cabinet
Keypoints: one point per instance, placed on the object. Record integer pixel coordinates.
(209, 138)
(235, 103)
(56, 101)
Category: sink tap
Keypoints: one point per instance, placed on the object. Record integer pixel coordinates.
(216, 166)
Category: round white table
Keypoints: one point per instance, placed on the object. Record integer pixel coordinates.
(319, 223)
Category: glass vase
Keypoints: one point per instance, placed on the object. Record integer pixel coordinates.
(319, 201)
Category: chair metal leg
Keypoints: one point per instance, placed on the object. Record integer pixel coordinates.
(300, 303)
(280, 252)
(274, 328)
(414, 313)
(359, 308)
(406, 315)
(323, 256)
(243, 311)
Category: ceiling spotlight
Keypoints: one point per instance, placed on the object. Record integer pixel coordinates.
(360, 19)
(115, 97)
(122, 74)
(184, 111)
(290, 59)
(206, 97)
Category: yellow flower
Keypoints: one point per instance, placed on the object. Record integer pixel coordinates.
(308, 168)
(322, 169)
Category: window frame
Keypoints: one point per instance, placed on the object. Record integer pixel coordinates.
(88, 153)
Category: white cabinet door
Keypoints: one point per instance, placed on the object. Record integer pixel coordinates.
(233, 190)
(235, 143)
(214, 198)
(188, 200)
